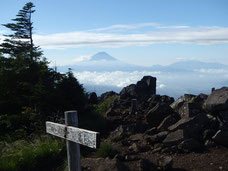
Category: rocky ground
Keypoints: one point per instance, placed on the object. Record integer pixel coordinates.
(152, 132)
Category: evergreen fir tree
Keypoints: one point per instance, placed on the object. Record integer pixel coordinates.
(20, 43)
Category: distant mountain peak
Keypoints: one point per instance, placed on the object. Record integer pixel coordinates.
(102, 56)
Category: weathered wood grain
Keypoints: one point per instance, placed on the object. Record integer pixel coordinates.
(73, 149)
(78, 135)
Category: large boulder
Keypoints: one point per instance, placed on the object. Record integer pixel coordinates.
(189, 109)
(175, 137)
(200, 120)
(124, 131)
(148, 84)
(156, 98)
(107, 95)
(142, 90)
(180, 101)
(193, 127)
(129, 92)
(156, 115)
(218, 100)
(168, 121)
(190, 145)
(200, 99)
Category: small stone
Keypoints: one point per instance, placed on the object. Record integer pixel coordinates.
(135, 148)
(156, 150)
(130, 158)
(165, 162)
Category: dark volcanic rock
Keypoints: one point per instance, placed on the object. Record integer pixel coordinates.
(175, 137)
(129, 92)
(201, 98)
(221, 137)
(107, 95)
(180, 101)
(190, 145)
(110, 112)
(156, 115)
(170, 150)
(142, 90)
(154, 99)
(118, 133)
(165, 162)
(208, 134)
(157, 138)
(193, 126)
(218, 100)
(124, 131)
(151, 131)
(168, 121)
(189, 109)
(199, 120)
(148, 84)
(92, 98)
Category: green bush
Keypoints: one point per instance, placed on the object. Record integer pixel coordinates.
(106, 150)
(41, 154)
(104, 106)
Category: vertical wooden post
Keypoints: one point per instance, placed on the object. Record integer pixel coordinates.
(73, 149)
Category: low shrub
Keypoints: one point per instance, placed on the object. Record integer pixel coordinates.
(41, 154)
(106, 150)
(104, 106)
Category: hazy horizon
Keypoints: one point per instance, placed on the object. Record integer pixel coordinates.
(137, 32)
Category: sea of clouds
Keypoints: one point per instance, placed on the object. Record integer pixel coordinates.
(172, 84)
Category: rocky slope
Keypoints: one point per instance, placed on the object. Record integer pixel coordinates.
(153, 132)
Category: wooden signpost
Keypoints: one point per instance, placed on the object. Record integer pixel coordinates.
(74, 137)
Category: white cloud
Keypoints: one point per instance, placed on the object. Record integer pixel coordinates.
(182, 35)
(172, 84)
(212, 71)
(174, 27)
(116, 78)
(161, 86)
(81, 58)
(154, 34)
(126, 27)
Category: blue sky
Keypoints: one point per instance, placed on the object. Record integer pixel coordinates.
(143, 32)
